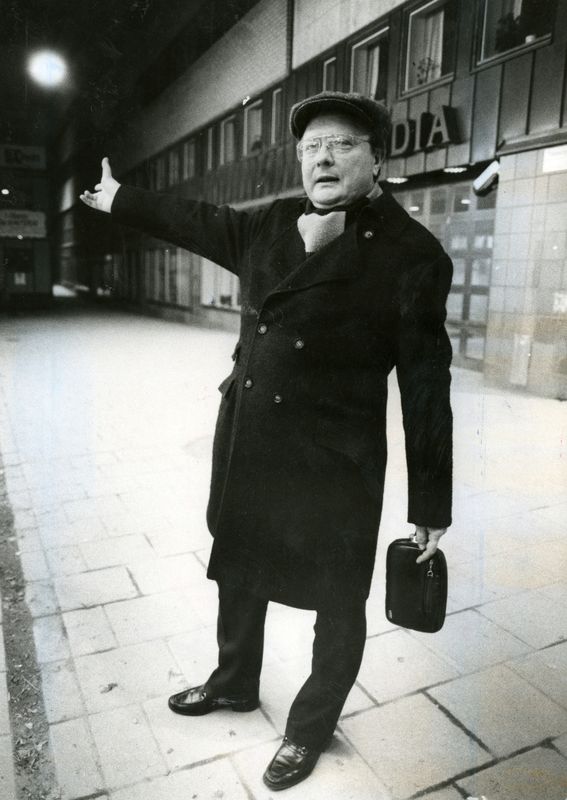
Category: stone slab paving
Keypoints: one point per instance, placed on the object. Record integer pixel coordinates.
(7, 782)
(107, 475)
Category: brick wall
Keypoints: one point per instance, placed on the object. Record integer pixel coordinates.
(527, 326)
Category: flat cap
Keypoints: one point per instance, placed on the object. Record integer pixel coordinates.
(370, 112)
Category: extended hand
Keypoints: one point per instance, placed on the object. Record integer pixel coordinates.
(103, 195)
(428, 541)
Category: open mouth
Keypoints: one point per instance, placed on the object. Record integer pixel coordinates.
(327, 179)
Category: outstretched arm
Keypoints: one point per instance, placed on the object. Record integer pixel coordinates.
(103, 195)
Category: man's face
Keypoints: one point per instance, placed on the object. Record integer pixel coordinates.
(332, 179)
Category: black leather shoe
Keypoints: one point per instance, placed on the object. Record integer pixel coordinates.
(291, 764)
(195, 702)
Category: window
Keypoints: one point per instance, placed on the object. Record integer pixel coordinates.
(253, 142)
(219, 287)
(508, 24)
(160, 173)
(174, 167)
(210, 148)
(330, 75)
(277, 116)
(189, 159)
(369, 66)
(228, 140)
(431, 45)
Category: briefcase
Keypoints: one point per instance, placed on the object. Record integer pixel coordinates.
(416, 594)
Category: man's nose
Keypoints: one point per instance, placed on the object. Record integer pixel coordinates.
(325, 154)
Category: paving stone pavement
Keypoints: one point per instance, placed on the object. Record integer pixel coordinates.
(106, 424)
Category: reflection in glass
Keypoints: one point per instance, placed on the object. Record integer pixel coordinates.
(455, 305)
(478, 310)
(459, 267)
(480, 275)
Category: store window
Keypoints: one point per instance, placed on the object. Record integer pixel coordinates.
(277, 112)
(189, 159)
(253, 142)
(161, 173)
(508, 24)
(228, 140)
(430, 43)
(219, 288)
(330, 75)
(369, 62)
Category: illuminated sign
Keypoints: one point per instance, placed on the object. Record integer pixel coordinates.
(426, 132)
(22, 224)
(20, 157)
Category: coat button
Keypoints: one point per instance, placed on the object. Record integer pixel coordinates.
(278, 398)
(248, 383)
(299, 344)
(262, 328)
(368, 234)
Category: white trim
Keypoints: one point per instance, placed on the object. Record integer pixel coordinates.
(378, 35)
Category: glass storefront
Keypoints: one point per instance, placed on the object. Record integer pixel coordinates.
(464, 224)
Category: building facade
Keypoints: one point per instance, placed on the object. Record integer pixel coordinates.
(25, 264)
(477, 92)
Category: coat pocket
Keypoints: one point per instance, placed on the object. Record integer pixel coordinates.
(226, 386)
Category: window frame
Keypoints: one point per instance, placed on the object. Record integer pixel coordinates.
(275, 128)
(259, 103)
(382, 33)
(480, 61)
(326, 63)
(186, 173)
(405, 63)
(210, 149)
(223, 161)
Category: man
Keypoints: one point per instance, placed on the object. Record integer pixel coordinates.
(336, 291)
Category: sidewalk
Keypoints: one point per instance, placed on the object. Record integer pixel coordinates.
(106, 422)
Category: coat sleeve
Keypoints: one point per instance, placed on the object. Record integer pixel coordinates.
(423, 360)
(217, 233)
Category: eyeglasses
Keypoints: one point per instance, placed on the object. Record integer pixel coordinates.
(341, 143)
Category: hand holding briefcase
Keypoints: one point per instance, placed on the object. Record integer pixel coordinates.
(416, 594)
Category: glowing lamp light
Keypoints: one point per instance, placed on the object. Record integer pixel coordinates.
(454, 170)
(47, 68)
(397, 180)
(5, 191)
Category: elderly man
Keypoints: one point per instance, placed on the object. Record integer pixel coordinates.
(337, 289)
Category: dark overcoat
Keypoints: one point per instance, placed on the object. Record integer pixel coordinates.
(299, 453)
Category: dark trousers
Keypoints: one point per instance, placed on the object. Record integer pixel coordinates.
(340, 635)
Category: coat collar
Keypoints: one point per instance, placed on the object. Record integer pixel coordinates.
(340, 259)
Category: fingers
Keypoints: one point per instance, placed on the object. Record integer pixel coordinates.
(428, 541)
(106, 171)
(89, 199)
(98, 187)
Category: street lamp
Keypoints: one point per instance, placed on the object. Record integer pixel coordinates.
(47, 68)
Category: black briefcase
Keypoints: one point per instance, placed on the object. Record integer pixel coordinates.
(416, 594)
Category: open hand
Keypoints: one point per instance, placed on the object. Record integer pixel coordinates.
(103, 195)
(428, 541)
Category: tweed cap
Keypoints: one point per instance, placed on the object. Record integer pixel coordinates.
(372, 114)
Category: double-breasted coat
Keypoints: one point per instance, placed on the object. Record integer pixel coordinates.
(299, 453)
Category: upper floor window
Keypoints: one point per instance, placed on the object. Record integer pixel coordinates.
(210, 148)
(508, 24)
(430, 43)
(369, 66)
(253, 142)
(160, 173)
(330, 75)
(277, 116)
(174, 166)
(189, 159)
(228, 140)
